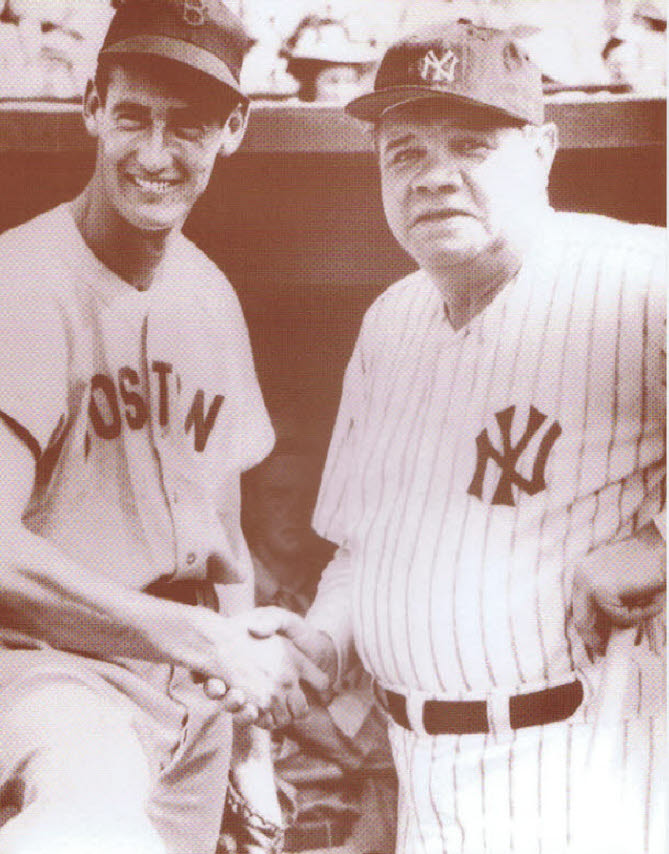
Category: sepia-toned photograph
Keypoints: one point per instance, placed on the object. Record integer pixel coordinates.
(333, 427)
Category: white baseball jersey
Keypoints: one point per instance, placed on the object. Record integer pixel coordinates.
(468, 472)
(140, 408)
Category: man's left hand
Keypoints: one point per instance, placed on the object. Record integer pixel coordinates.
(621, 584)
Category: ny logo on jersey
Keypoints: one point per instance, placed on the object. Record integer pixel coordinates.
(438, 68)
(507, 459)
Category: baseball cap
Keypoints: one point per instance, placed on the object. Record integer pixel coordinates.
(203, 34)
(457, 61)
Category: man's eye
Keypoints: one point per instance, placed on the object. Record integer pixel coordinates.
(475, 147)
(405, 155)
(191, 132)
(129, 121)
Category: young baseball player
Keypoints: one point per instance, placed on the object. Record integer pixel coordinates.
(128, 408)
(496, 475)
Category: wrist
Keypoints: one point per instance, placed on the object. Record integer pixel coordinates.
(193, 637)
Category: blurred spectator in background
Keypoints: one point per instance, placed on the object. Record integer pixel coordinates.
(48, 47)
(328, 62)
(333, 768)
(636, 53)
(264, 73)
(324, 50)
(279, 495)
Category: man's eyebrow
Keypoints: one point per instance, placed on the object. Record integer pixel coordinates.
(398, 142)
(129, 105)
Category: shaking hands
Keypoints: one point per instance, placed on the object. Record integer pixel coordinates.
(270, 653)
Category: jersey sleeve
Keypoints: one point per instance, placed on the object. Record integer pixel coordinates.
(254, 435)
(330, 515)
(33, 370)
(331, 611)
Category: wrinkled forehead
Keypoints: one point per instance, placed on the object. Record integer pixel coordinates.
(436, 113)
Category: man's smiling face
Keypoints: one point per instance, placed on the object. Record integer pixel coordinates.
(157, 145)
(456, 182)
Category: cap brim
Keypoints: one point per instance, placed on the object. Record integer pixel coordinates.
(178, 51)
(372, 106)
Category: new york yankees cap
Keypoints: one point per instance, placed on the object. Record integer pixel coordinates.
(203, 34)
(458, 62)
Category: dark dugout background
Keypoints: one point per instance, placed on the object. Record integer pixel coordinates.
(295, 220)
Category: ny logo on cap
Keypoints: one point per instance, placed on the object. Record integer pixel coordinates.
(194, 12)
(438, 68)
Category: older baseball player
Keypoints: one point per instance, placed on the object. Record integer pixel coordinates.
(129, 406)
(496, 474)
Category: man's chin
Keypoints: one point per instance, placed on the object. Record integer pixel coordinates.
(441, 255)
(154, 218)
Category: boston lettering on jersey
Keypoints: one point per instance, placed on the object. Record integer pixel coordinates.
(508, 457)
(114, 401)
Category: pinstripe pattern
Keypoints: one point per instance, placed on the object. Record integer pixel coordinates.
(437, 569)
(519, 793)
(455, 595)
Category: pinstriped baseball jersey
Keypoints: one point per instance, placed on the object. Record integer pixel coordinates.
(469, 470)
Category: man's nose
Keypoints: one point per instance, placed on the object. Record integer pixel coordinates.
(441, 174)
(154, 152)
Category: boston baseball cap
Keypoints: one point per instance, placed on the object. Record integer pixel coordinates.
(458, 62)
(203, 34)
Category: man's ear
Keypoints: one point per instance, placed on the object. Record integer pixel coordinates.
(546, 146)
(91, 107)
(234, 129)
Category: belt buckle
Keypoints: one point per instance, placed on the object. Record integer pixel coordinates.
(498, 709)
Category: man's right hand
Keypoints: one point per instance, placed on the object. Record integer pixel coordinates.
(313, 643)
(258, 676)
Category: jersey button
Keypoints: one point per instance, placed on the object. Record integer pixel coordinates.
(191, 558)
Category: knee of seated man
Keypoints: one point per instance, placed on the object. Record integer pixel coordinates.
(67, 741)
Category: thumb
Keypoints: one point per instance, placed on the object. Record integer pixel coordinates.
(265, 622)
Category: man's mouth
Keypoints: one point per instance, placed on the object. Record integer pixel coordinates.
(158, 186)
(439, 215)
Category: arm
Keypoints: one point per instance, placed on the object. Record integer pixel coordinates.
(326, 634)
(46, 595)
(330, 613)
(622, 583)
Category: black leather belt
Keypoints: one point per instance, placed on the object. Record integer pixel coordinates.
(460, 717)
(186, 591)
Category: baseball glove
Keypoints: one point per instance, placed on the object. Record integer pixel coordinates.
(246, 832)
